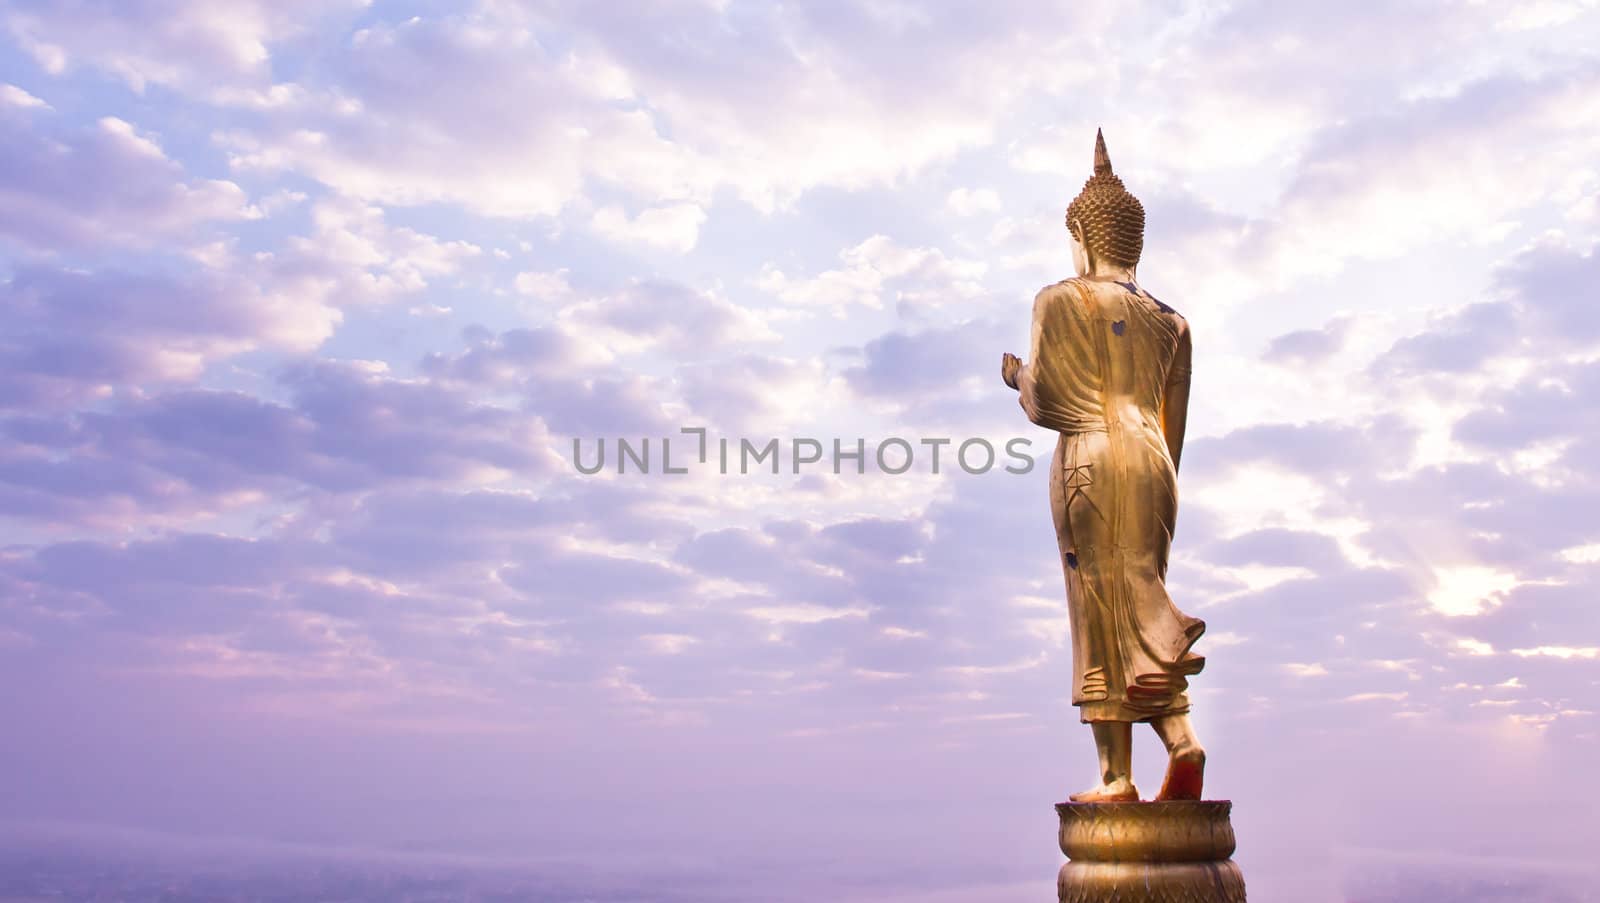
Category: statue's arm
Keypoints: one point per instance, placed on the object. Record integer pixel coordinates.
(1025, 384)
(1175, 402)
(1011, 369)
(1014, 370)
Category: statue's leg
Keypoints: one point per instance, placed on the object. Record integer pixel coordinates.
(1186, 762)
(1113, 740)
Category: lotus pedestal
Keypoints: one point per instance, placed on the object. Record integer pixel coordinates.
(1175, 852)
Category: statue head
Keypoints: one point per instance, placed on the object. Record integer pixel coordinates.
(1104, 219)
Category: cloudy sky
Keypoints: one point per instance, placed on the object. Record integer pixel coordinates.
(303, 303)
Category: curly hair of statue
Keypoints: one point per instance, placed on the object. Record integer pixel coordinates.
(1108, 220)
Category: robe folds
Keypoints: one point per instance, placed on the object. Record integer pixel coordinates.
(1108, 369)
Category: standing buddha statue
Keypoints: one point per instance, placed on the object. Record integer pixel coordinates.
(1108, 369)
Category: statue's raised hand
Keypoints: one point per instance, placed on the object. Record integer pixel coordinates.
(1009, 365)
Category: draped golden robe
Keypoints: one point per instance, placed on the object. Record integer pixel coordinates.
(1108, 369)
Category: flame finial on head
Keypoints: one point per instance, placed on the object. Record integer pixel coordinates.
(1102, 160)
(1104, 216)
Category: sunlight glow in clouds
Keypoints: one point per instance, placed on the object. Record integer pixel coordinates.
(1471, 590)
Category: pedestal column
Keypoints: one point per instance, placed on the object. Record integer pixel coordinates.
(1175, 852)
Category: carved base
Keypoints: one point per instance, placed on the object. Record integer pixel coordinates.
(1175, 852)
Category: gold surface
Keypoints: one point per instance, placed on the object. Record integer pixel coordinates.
(1108, 369)
(1104, 216)
(1175, 852)
(1146, 832)
(1126, 882)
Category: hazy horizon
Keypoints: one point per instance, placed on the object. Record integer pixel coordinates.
(303, 305)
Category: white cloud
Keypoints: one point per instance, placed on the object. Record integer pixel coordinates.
(1443, 169)
(11, 95)
(1563, 652)
(675, 227)
(970, 201)
(353, 255)
(768, 118)
(1376, 697)
(1469, 590)
(879, 270)
(1584, 554)
(1542, 14)
(669, 643)
(116, 332)
(656, 315)
(552, 286)
(206, 48)
(71, 187)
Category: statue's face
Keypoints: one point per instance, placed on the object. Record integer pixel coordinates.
(1080, 257)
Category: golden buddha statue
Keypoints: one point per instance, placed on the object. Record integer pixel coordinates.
(1108, 369)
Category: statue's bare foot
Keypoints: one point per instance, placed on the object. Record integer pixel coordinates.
(1121, 791)
(1186, 771)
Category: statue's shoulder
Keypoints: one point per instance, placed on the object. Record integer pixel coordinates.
(1161, 305)
(1175, 321)
(1065, 299)
(1074, 288)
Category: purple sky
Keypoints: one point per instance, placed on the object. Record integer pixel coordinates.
(302, 304)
